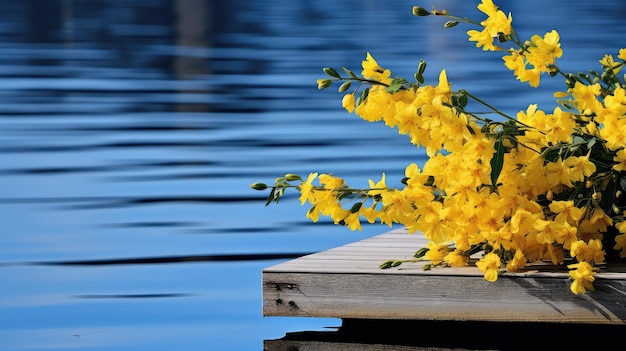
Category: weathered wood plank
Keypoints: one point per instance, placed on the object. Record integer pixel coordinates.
(346, 282)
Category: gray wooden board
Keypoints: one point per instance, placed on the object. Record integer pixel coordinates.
(346, 282)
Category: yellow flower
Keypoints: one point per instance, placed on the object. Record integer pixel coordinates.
(614, 132)
(566, 211)
(443, 89)
(586, 96)
(306, 189)
(548, 231)
(559, 126)
(433, 221)
(620, 244)
(437, 252)
(515, 62)
(482, 38)
(313, 214)
(376, 106)
(415, 177)
(395, 206)
(487, 7)
(614, 105)
(370, 213)
(566, 236)
(587, 252)
(456, 259)
(620, 159)
(377, 188)
(579, 167)
(622, 54)
(609, 62)
(331, 182)
(524, 221)
(518, 63)
(501, 238)
(557, 174)
(352, 221)
(371, 70)
(544, 51)
(583, 275)
(518, 262)
(489, 265)
(348, 102)
(497, 22)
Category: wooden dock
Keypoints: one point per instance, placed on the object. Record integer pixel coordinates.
(346, 282)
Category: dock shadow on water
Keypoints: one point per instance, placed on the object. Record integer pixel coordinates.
(131, 130)
(397, 335)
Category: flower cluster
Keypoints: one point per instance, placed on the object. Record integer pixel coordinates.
(538, 186)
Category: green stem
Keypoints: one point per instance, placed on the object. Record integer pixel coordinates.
(457, 18)
(363, 80)
(495, 109)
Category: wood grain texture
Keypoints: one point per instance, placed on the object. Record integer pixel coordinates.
(346, 282)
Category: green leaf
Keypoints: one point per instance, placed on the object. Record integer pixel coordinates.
(591, 142)
(622, 182)
(551, 155)
(357, 206)
(270, 198)
(608, 156)
(363, 96)
(608, 196)
(497, 161)
(393, 88)
(459, 100)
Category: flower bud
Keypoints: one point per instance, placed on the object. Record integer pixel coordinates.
(291, 177)
(323, 83)
(450, 24)
(421, 67)
(331, 72)
(345, 86)
(420, 11)
(386, 265)
(258, 186)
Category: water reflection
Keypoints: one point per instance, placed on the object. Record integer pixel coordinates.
(131, 130)
(394, 335)
(179, 259)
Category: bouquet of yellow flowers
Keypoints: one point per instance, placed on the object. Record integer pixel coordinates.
(497, 191)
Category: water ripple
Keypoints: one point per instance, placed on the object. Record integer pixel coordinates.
(176, 259)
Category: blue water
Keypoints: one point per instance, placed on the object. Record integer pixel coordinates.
(131, 130)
